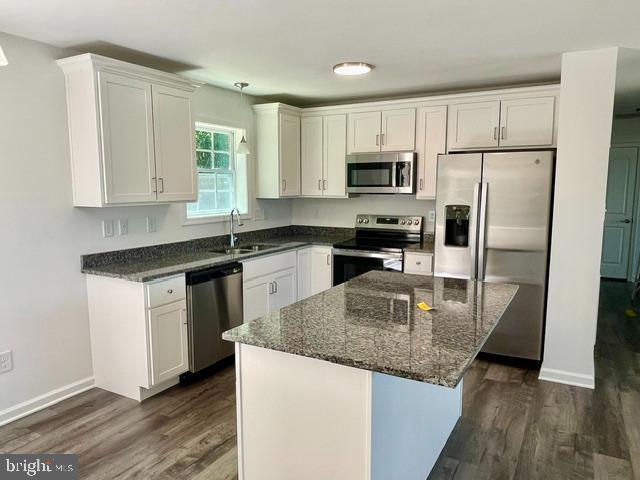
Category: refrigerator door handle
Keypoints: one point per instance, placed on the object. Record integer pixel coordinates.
(482, 230)
(473, 228)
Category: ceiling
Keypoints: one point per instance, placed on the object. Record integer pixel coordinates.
(285, 48)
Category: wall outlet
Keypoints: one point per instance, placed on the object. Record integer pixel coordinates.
(258, 214)
(107, 228)
(432, 216)
(152, 224)
(6, 361)
(123, 226)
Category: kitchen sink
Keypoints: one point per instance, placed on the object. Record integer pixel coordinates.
(258, 247)
(255, 247)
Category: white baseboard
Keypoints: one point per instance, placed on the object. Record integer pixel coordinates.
(568, 378)
(43, 401)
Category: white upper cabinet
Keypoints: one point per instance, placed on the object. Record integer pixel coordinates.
(398, 130)
(323, 155)
(278, 150)
(527, 122)
(176, 170)
(131, 133)
(474, 125)
(386, 131)
(311, 160)
(431, 141)
(363, 132)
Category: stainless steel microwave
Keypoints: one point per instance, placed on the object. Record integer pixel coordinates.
(389, 172)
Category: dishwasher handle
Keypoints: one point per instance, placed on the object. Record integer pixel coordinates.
(202, 276)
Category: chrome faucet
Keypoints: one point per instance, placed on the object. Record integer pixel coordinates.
(232, 237)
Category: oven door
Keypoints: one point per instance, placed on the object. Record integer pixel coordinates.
(371, 177)
(351, 263)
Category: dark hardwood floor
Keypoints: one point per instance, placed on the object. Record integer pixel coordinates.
(513, 426)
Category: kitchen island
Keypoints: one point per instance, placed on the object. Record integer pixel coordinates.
(359, 382)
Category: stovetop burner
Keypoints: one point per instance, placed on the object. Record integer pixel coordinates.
(384, 233)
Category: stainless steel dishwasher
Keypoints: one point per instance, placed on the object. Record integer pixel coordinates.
(214, 304)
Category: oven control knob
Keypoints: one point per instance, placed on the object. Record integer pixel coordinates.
(366, 220)
(402, 222)
(359, 220)
(416, 221)
(409, 222)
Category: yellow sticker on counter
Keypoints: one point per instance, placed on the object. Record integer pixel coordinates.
(424, 306)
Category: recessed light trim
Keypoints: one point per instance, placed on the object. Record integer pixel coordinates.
(352, 68)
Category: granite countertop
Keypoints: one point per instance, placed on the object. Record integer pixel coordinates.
(372, 322)
(426, 246)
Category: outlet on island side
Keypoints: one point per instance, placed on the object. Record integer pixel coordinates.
(6, 361)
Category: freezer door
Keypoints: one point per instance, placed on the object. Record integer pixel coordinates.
(517, 188)
(457, 192)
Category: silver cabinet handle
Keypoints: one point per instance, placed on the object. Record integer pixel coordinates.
(270, 288)
(503, 134)
(161, 180)
(186, 322)
(418, 263)
(170, 291)
(284, 185)
(324, 184)
(275, 287)
(377, 140)
(626, 220)
(155, 184)
(319, 184)
(421, 183)
(328, 259)
(495, 133)
(382, 139)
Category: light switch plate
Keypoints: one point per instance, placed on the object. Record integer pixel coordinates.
(432, 216)
(258, 213)
(6, 361)
(152, 224)
(123, 226)
(107, 228)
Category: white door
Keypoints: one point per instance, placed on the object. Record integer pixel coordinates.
(174, 145)
(168, 341)
(126, 122)
(256, 297)
(618, 221)
(289, 155)
(321, 277)
(431, 141)
(398, 130)
(363, 132)
(527, 122)
(284, 289)
(474, 125)
(334, 155)
(304, 273)
(311, 160)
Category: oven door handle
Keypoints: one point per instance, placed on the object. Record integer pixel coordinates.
(367, 254)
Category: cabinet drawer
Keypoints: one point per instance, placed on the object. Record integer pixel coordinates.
(166, 291)
(268, 264)
(418, 263)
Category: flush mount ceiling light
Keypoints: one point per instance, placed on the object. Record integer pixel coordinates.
(243, 148)
(352, 68)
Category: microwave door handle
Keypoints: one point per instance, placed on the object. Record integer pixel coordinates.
(482, 230)
(473, 229)
(394, 176)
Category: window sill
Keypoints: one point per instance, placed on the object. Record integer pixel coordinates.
(186, 221)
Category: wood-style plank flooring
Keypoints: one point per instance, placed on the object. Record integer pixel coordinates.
(513, 426)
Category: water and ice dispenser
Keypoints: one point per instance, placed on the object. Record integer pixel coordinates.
(457, 225)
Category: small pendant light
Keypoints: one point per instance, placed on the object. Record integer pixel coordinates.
(243, 147)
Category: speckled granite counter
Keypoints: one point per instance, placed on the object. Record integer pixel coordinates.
(372, 323)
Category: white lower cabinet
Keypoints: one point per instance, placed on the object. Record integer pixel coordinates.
(418, 263)
(138, 332)
(269, 283)
(314, 270)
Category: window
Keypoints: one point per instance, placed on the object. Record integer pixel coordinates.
(218, 173)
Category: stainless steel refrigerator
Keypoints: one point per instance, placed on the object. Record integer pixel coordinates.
(492, 224)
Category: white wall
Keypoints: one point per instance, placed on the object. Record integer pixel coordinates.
(43, 309)
(587, 92)
(342, 212)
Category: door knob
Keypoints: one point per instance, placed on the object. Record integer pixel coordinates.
(626, 220)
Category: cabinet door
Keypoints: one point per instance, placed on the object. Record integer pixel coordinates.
(311, 160)
(321, 260)
(174, 145)
(168, 341)
(284, 292)
(256, 296)
(431, 141)
(398, 130)
(474, 125)
(334, 155)
(527, 122)
(304, 273)
(289, 155)
(363, 132)
(126, 123)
